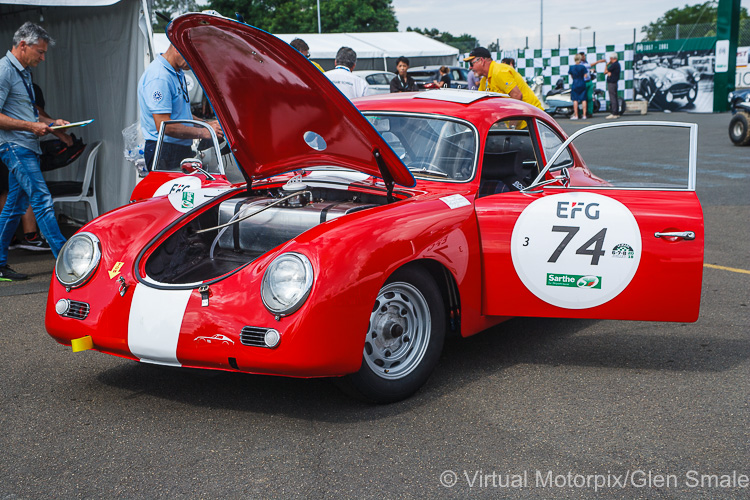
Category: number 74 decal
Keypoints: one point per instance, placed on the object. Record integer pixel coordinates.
(576, 266)
(597, 241)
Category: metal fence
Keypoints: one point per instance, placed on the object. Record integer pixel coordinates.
(590, 38)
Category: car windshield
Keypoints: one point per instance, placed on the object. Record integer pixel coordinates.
(434, 148)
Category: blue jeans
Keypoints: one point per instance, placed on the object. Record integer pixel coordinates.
(26, 186)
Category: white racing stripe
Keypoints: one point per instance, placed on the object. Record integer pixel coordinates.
(154, 324)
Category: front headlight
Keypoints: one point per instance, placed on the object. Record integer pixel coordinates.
(286, 283)
(78, 260)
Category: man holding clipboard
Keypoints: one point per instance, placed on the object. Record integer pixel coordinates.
(20, 129)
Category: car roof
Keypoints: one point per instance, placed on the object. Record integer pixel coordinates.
(368, 72)
(483, 110)
(438, 66)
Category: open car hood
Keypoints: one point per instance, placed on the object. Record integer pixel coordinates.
(278, 111)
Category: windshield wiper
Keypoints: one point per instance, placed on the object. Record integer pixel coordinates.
(434, 173)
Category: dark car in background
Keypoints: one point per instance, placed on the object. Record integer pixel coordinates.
(739, 124)
(425, 76)
(737, 97)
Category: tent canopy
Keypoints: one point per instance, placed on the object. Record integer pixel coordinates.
(374, 50)
(92, 71)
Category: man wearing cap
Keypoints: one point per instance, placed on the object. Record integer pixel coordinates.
(499, 77)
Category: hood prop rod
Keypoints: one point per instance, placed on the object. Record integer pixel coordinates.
(387, 177)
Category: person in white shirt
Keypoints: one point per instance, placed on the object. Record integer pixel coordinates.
(350, 85)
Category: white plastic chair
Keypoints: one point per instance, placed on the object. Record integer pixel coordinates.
(85, 186)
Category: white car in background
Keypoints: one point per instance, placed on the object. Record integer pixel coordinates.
(378, 80)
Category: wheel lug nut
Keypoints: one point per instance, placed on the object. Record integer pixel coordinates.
(387, 354)
(406, 338)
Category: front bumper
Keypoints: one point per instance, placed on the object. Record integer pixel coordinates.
(174, 328)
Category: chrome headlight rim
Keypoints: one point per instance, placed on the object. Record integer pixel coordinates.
(90, 268)
(273, 305)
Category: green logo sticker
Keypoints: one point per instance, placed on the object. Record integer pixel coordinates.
(574, 280)
(188, 200)
(623, 251)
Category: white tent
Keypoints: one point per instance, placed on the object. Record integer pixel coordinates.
(377, 50)
(374, 50)
(102, 48)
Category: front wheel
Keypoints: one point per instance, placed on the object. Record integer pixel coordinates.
(404, 338)
(692, 94)
(739, 129)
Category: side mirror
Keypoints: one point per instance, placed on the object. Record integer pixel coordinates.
(192, 165)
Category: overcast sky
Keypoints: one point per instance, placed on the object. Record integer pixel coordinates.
(511, 22)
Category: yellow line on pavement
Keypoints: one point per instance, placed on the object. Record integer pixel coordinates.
(733, 269)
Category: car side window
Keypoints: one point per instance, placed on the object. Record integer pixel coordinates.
(551, 142)
(509, 162)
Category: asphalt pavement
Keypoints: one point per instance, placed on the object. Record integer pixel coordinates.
(533, 408)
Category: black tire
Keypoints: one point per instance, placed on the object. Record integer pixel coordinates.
(597, 106)
(739, 129)
(401, 349)
(648, 90)
(692, 94)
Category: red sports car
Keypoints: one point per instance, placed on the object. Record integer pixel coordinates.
(357, 235)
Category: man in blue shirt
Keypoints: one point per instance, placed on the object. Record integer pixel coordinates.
(162, 96)
(20, 129)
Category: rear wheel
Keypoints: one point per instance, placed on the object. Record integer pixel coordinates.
(739, 129)
(404, 338)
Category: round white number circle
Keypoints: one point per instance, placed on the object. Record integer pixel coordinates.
(576, 250)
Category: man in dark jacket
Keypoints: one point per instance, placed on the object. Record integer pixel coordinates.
(613, 76)
(403, 82)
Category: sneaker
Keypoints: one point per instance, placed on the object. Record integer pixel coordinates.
(585, 117)
(610, 117)
(14, 242)
(35, 243)
(573, 117)
(8, 274)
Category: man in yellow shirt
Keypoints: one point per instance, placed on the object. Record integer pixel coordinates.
(499, 77)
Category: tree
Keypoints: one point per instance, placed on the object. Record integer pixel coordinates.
(301, 16)
(170, 9)
(464, 43)
(695, 21)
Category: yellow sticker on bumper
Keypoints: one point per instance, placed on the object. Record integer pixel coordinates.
(82, 344)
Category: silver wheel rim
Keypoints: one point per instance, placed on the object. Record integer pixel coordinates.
(738, 129)
(399, 331)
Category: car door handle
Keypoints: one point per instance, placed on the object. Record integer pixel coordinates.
(685, 235)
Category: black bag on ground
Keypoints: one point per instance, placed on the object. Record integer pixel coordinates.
(55, 154)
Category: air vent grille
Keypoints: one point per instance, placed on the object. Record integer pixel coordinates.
(254, 336)
(77, 310)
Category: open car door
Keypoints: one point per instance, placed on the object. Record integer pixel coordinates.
(631, 248)
(199, 166)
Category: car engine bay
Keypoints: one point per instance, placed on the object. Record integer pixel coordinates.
(229, 234)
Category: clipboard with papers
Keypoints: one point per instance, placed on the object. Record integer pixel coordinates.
(71, 125)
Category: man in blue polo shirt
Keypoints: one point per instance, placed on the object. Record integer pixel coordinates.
(162, 96)
(20, 129)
